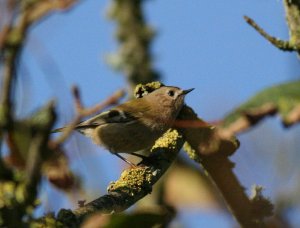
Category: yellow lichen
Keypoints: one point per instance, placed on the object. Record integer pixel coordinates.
(132, 180)
(140, 179)
(168, 140)
(143, 89)
(7, 190)
(191, 152)
(20, 193)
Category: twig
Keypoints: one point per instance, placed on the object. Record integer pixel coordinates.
(83, 112)
(112, 100)
(43, 8)
(77, 99)
(282, 45)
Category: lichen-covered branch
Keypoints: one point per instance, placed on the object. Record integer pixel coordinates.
(292, 10)
(134, 57)
(134, 183)
(211, 152)
(205, 148)
(281, 44)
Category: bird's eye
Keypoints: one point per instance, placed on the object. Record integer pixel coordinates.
(171, 93)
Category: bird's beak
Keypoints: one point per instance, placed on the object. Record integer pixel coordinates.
(184, 92)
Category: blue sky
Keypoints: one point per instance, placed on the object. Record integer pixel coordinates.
(202, 44)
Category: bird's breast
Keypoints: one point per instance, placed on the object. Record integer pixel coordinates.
(125, 137)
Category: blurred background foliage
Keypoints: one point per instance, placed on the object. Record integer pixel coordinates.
(206, 45)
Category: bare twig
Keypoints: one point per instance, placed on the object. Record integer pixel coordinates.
(282, 45)
(112, 100)
(43, 8)
(77, 99)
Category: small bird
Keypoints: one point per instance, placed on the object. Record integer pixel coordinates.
(136, 124)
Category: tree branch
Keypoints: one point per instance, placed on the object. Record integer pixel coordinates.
(282, 45)
(211, 151)
(134, 183)
(134, 57)
(292, 10)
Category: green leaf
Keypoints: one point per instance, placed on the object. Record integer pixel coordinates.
(283, 99)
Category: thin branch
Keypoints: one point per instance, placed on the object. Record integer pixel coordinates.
(44, 8)
(8, 77)
(282, 45)
(112, 100)
(77, 99)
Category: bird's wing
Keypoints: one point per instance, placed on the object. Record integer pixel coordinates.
(111, 116)
(124, 113)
